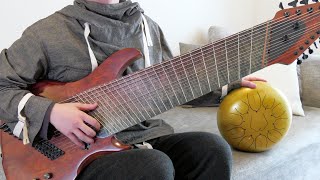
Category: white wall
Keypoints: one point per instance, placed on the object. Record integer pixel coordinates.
(265, 10)
(16, 15)
(181, 20)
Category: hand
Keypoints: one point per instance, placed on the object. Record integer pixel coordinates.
(70, 119)
(246, 82)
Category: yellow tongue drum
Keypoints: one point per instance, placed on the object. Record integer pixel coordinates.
(254, 120)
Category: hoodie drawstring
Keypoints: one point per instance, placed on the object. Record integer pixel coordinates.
(147, 41)
(94, 62)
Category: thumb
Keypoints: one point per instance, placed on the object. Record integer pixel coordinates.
(86, 107)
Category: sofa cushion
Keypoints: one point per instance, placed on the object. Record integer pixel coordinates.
(310, 76)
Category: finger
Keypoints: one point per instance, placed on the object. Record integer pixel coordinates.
(75, 140)
(87, 130)
(81, 136)
(90, 120)
(248, 84)
(251, 78)
(86, 107)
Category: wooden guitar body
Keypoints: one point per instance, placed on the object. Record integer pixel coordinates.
(26, 162)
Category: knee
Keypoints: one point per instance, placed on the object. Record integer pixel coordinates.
(216, 143)
(214, 147)
(157, 164)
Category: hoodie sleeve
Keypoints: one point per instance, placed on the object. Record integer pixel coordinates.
(21, 66)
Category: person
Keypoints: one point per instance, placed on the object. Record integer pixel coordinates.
(67, 46)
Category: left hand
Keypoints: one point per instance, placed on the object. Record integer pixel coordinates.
(246, 82)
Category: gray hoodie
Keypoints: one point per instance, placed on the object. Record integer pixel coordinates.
(54, 48)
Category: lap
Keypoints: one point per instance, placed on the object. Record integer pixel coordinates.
(191, 155)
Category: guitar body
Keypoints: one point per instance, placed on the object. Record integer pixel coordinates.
(25, 162)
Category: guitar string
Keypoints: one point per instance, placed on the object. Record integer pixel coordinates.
(223, 47)
(197, 73)
(277, 26)
(183, 59)
(71, 145)
(169, 88)
(230, 62)
(149, 115)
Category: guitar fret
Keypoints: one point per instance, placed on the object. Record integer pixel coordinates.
(152, 98)
(209, 59)
(143, 95)
(112, 102)
(109, 110)
(257, 62)
(164, 70)
(245, 49)
(110, 130)
(184, 81)
(206, 69)
(225, 42)
(201, 71)
(185, 72)
(121, 94)
(96, 114)
(138, 99)
(126, 109)
(251, 52)
(232, 58)
(239, 70)
(215, 60)
(194, 67)
(164, 90)
(178, 81)
(156, 90)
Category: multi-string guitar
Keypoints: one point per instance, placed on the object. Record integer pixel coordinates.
(126, 101)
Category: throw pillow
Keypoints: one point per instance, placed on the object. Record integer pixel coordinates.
(216, 33)
(184, 47)
(284, 78)
(310, 75)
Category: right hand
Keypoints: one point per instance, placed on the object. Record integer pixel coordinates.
(70, 118)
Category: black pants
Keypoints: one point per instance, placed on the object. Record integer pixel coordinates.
(193, 155)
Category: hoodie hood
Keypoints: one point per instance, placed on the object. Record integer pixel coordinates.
(123, 15)
(112, 26)
(118, 11)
